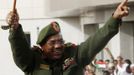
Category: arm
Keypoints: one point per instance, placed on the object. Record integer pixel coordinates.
(88, 49)
(22, 54)
(94, 44)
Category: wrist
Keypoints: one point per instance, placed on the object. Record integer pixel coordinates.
(115, 16)
(15, 26)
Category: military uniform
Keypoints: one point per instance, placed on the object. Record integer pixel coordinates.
(32, 61)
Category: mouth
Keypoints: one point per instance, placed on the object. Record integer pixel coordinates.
(57, 54)
(58, 51)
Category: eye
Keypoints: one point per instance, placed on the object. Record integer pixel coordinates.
(61, 41)
(51, 42)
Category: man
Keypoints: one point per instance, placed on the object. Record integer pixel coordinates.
(110, 69)
(54, 57)
(121, 66)
(89, 70)
(132, 69)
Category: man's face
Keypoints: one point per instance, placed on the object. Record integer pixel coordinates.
(111, 69)
(54, 47)
(120, 60)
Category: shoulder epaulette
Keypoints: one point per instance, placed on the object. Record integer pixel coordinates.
(36, 49)
(70, 45)
(70, 49)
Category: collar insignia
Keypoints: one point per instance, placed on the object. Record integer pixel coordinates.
(68, 62)
(44, 66)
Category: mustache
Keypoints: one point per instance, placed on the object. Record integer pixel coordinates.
(59, 50)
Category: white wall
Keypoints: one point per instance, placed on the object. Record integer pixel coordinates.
(27, 9)
(7, 65)
(61, 5)
(127, 40)
(64, 7)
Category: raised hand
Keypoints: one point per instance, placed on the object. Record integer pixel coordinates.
(122, 10)
(13, 19)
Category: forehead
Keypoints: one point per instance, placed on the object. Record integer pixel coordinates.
(55, 37)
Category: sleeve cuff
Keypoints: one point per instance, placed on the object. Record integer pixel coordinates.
(115, 22)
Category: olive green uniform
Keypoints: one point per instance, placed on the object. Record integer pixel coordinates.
(32, 62)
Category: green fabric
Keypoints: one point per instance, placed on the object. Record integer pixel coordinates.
(30, 61)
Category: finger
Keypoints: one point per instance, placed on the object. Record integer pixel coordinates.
(125, 8)
(124, 13)
(123, 3)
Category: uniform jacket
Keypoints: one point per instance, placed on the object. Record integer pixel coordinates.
(31, 61)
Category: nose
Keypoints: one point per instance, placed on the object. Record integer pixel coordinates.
(57, 46)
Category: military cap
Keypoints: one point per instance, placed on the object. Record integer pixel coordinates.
(51, 29)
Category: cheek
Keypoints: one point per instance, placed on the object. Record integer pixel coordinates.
(47, 48)
(62, 48)
(132, 70)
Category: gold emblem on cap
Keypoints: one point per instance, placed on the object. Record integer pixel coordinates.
(55, 26)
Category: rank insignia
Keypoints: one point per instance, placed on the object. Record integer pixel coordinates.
(44, 66)
(68, 62)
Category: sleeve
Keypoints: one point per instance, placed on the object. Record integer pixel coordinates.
(94, 44)
(22, 53)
